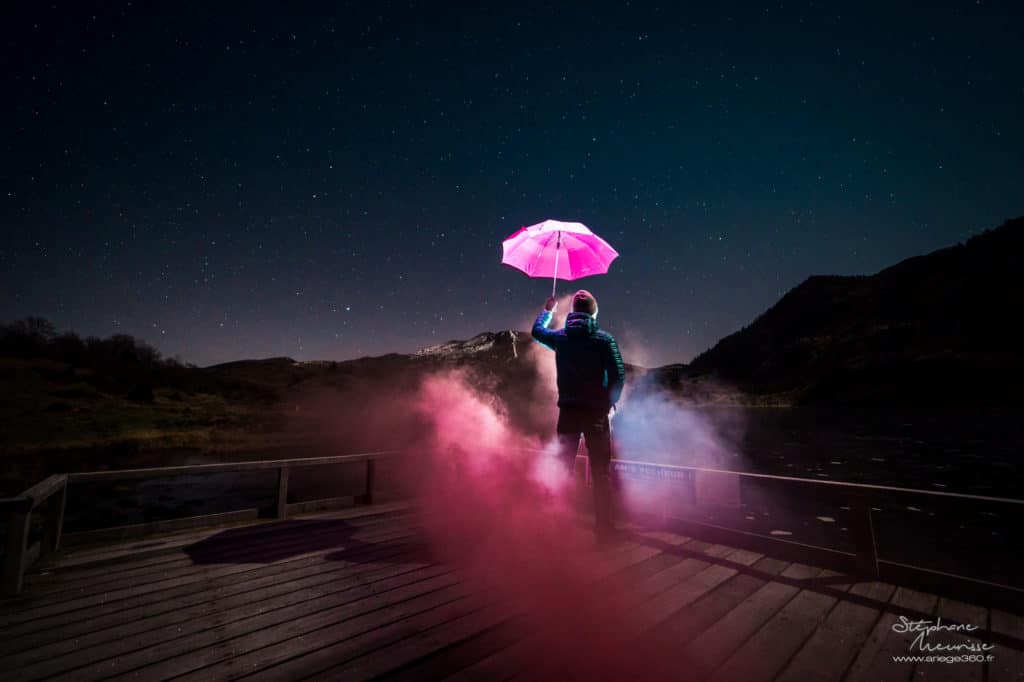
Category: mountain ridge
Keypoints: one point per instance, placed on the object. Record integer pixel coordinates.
(936, 328)
(932, 329)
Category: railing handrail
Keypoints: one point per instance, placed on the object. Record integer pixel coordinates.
(815, 481)
(226, 467)
(42, 491)
(16, 503)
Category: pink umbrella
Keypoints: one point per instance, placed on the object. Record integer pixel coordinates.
(558, 250)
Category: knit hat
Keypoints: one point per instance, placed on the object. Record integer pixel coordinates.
(584, 302)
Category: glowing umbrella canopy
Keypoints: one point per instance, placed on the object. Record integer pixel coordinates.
(558, 250)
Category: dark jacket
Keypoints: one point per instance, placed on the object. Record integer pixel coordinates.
(590, 369)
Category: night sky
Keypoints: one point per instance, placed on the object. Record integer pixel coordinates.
(323, 182)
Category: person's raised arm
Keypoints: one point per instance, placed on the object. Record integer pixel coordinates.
(541, 333)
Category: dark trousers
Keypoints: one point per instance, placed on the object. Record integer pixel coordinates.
(593, 426)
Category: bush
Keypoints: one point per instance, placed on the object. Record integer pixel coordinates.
(141, 393)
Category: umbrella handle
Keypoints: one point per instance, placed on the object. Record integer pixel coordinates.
(558, 249)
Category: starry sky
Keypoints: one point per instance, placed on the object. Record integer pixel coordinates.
(326, 182)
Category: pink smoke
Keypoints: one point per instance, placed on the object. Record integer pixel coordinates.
(495, 505)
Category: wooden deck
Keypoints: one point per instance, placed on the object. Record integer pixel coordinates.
(357, 594)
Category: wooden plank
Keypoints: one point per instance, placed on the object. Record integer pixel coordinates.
(282, 492)
(678, 472)
(769, 649)
(446, 661)
(305, 662)
(652, 565)
(369, 567)
(116, 553)
(138, 530)
(697, 604)
(504, 664)
(12, 504)
(627, 555)
(705, 581)
(1008, 665)
(672, 577)
(71, 564)
(256, 643)
(30, 617)
(875, 660)
(638, 608)
(54, 524)
(460, 623)
(336, 587)
(262, 526)
(691, 608)
(23, 619)
(386, 659)
(221, 604)
(205, 562)
(950, 612)
(256, 557)
(711, 648)
(790, 550)
(834, 645)
(55, 580)
(371, 476)
(965, 588)
(32, 553)
(216, 547)
(325, 504)
(521, 659)
(863, 532)
(17, 546)
(269, 584)
(41, 491)
(242, 564)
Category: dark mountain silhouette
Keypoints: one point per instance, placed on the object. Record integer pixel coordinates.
(372, 394)
(935, 330)
(939, 329)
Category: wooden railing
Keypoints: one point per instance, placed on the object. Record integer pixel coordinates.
(20, 555)
(681, 485)
(864, 561)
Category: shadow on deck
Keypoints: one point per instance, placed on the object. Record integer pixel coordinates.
(356, 594)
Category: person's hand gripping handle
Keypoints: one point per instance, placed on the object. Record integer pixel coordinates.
(550, 304)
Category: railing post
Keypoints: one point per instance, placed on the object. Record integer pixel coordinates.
(55, 521)
(665, 492)
(864, 535)
(62, 502)
(17, 544)
(282, 492)
(371, 474)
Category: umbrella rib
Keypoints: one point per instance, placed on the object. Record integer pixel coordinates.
(541, 252)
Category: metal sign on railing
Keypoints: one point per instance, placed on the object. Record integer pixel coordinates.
(649, 470)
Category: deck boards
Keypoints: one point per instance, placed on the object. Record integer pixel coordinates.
(836, 641)
(143, 600)
(357, 594)
(1009, 662)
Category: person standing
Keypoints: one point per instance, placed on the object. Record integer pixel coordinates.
(590, 381)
